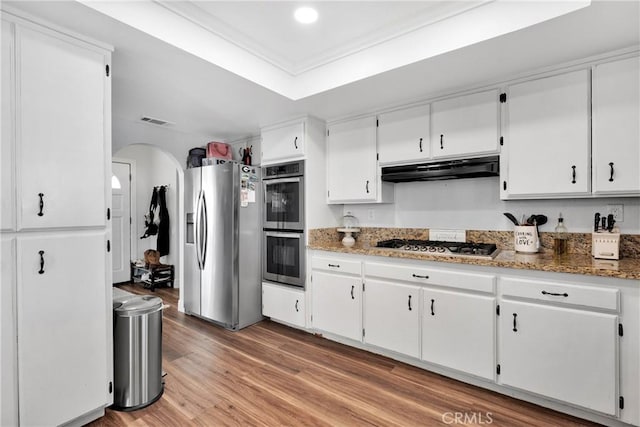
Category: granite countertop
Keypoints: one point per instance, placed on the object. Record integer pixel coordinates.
(625, 268)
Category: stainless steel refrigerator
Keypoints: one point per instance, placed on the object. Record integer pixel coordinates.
(223, 205)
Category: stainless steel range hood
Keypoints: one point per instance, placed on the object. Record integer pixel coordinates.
(441, 170)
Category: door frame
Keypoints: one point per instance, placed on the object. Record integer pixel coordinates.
(133, 231)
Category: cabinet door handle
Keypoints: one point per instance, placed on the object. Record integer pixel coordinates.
(432, 312)
(441, 142)
(41, 204)
(334, 265)
(611, 177)
(41, 271)
(297, 306)
(554, 294)
(409, 303)
(420, 145)
(515, 327)
(367, 187)
(295, 142)
(352, 289)
(420, 277)
(573, 174)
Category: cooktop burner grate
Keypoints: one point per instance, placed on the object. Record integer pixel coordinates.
(435, 247)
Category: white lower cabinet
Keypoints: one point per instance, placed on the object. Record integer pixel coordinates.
(391, 316)
(9, 384)
(458, 331)
(337, 304)
(283, 303)
(559, 352)
(62, 327)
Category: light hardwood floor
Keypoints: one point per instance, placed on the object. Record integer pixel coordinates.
(272, 375)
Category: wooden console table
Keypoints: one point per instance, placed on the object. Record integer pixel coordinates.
(161, 274)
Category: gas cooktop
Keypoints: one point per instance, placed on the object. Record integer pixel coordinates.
(434, 247)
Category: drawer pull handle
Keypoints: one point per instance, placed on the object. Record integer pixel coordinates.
(367, 187)
(432, 313)
(441, 142)
(334, 265)
(41, 271)
(41, 204)
(410, 303)
(297, 306)
(573, 175)
(295, 142)
(420, 277)
(515, 328)
(421, 145)
(554, 294)
(352, 289)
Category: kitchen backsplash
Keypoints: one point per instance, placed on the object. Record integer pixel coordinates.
(578, 243)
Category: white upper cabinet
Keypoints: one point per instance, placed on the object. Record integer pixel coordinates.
(466, 125)
(353, 175)
(403, 135)
(283, 143)
(546, 149)
(7, 214)
(61, 160)
(616, 130)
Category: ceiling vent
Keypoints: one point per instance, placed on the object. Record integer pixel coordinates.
(154, 121)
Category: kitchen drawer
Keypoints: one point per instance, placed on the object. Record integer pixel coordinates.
(336, 265)
(561, 293)
(432, 276)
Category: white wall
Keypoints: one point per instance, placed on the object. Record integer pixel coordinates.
(154, 168)
(475, 204)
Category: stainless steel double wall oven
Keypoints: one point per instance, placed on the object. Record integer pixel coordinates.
(283, 224)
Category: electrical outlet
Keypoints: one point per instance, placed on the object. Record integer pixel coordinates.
(617, 211)
(371, 214)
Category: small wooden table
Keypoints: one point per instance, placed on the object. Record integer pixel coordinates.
(160, 274)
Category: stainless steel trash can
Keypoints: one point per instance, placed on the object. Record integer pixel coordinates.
(137, 352)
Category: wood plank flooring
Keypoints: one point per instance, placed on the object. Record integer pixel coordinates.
(272, 375)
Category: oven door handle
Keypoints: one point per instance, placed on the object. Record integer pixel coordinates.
(281, 180)
(286, 235)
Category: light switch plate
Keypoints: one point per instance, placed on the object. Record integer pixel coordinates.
(448, 235)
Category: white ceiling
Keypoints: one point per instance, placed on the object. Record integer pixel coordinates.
(206, 101)
(261, 42)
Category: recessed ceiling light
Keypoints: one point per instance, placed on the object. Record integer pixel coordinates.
(306, 15)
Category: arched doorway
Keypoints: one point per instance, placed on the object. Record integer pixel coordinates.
(151, 167)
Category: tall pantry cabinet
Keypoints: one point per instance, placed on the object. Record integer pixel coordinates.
(56, 299)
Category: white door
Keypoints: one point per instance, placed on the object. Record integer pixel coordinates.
(283, 143)
(562, 353)
(403, 135)
(121, 220)
(61, 160)
(62, 326)
(547, 137)
(465, 125)
(458, 331)
(283, 303)
(616, 132)
(9, 385)
(352, 164)
(336, 304)
(7, 218)
(392, 316)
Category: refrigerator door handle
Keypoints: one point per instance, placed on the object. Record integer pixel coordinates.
(206, 230)
(197, 230)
